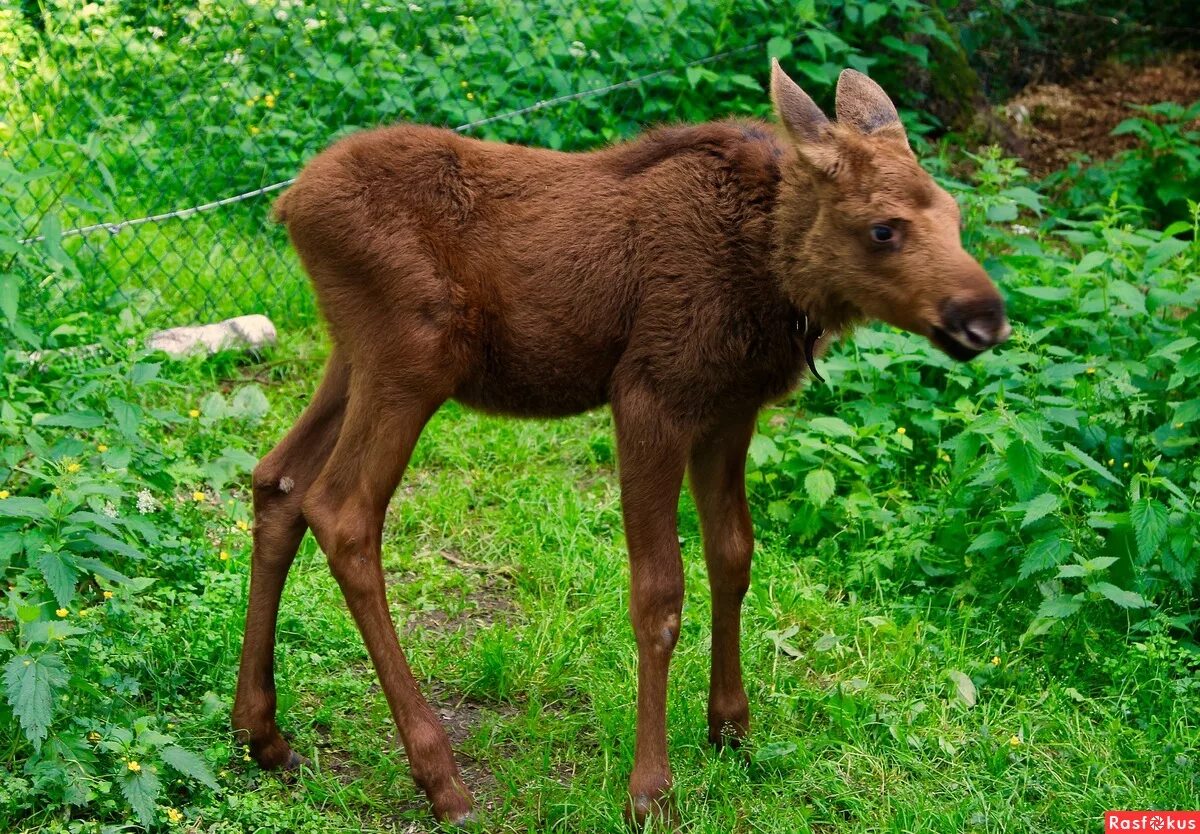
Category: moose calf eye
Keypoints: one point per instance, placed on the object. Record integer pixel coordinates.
(881, 233)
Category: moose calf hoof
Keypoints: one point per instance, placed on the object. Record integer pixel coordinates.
(729, 731)
(654, 812)
(273, 753)
(453, 806)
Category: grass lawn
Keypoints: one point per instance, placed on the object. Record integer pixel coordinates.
(508, 579)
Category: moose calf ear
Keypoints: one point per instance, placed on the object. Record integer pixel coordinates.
(863, 105)
(799, 113)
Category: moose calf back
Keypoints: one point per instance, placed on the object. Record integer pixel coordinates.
(538, 275)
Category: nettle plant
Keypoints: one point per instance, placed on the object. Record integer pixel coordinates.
(1059, 473)
(110, 518)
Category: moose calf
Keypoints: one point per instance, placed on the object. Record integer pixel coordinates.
(686, 277)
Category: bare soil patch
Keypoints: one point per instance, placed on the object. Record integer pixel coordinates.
(1058, 121)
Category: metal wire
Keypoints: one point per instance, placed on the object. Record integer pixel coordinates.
(143, 114)
(116, 227)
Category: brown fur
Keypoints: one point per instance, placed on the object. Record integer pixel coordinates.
(671, 276)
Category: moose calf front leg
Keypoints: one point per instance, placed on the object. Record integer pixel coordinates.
(718, 468)
(652, 456)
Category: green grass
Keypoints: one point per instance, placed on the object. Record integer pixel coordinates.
(522, 638)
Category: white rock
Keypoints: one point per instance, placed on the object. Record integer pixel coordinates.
(241, 333)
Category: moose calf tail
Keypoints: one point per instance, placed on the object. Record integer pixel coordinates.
(279, 209)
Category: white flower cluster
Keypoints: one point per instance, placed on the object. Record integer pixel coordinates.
(145, 502)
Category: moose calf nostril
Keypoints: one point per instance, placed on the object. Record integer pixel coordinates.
(978, 333)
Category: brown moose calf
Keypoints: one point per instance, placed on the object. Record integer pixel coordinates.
(686, 277)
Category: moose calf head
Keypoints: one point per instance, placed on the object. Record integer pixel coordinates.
(891, 230)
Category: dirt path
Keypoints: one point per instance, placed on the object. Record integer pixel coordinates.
(1058, 121)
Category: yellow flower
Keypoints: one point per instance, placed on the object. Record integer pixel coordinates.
(268, 100)
(223, 556)
(134, 766)
(100, 447)
(470, 96)
(1014, 741)
(175, 816)
(902, 430)
(241, 525)
(292, 76)
(1091, 370)
(254, 130)
(93, 737)
(249, 102)
(4, 493)
(73, 467)
(246, 757)
(996, 660)
(1125, 465)
(62, 612)
(195, 412)
(1111, 461)
(199, 496)
(108, 594)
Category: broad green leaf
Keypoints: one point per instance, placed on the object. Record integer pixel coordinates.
(74, 420)
(872, 12)
(820, 486)
(30, 683)
(1125, 599)
(964, 688)
(764, 451)
(1149, 519)
(189, 764)
(1045, 553)
(1128, 294)
(144, 372)
(774, 750)
(1091, 463)
(249, 403)
(1059, 607)
(112, 545)
(832, 426)
(141, 791)
(1091, 261)
(102, 570)
(1047, 293)
(1023, 468)
(126, 415)
(34, 509)
(989, 540)
(60, 572)
(1039, 507)
(778, 47)
(1004, 212)
(9, 295)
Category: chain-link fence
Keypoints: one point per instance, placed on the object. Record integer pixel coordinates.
(142, 140)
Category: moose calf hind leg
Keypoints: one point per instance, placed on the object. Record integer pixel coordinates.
(279, 483)
(346, 511)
